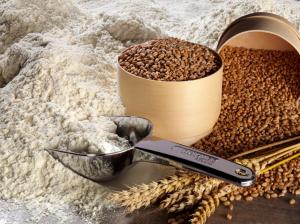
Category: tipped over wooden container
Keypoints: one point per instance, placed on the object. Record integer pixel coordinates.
(261, 31)
(181, 111)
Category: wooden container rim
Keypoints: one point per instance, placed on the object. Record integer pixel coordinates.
(175, 82)
(263, 15)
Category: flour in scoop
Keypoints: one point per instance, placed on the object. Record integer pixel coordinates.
(93, 136)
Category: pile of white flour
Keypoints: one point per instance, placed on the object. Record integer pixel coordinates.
(57, 72)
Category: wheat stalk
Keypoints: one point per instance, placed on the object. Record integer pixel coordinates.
(186, 190)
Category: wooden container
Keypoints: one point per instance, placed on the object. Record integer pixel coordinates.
(181, 111)
(261, 31)
(186, 111)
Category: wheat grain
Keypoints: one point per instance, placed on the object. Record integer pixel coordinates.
(169, 59)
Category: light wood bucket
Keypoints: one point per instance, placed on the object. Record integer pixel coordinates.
(181, 111)
(261, 31)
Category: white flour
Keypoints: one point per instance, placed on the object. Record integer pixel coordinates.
(96, 135)
(57, 59)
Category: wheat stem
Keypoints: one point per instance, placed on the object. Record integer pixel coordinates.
(279, 152)
(280, 163)
(240, 155)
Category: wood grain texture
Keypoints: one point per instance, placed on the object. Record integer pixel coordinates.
(259, 211)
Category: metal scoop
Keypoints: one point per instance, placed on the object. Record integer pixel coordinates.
(136, 130)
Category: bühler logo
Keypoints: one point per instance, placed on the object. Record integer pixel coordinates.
(198, 156)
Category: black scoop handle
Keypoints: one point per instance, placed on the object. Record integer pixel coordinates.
(199, 161)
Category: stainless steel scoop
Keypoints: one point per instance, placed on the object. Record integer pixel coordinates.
(137, 131)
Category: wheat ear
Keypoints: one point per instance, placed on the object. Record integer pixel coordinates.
(207, 207)
(199, 190)
(145, 194)
(178, 196)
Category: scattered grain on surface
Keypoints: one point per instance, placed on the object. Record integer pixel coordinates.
(229, 216)
(292, 201)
